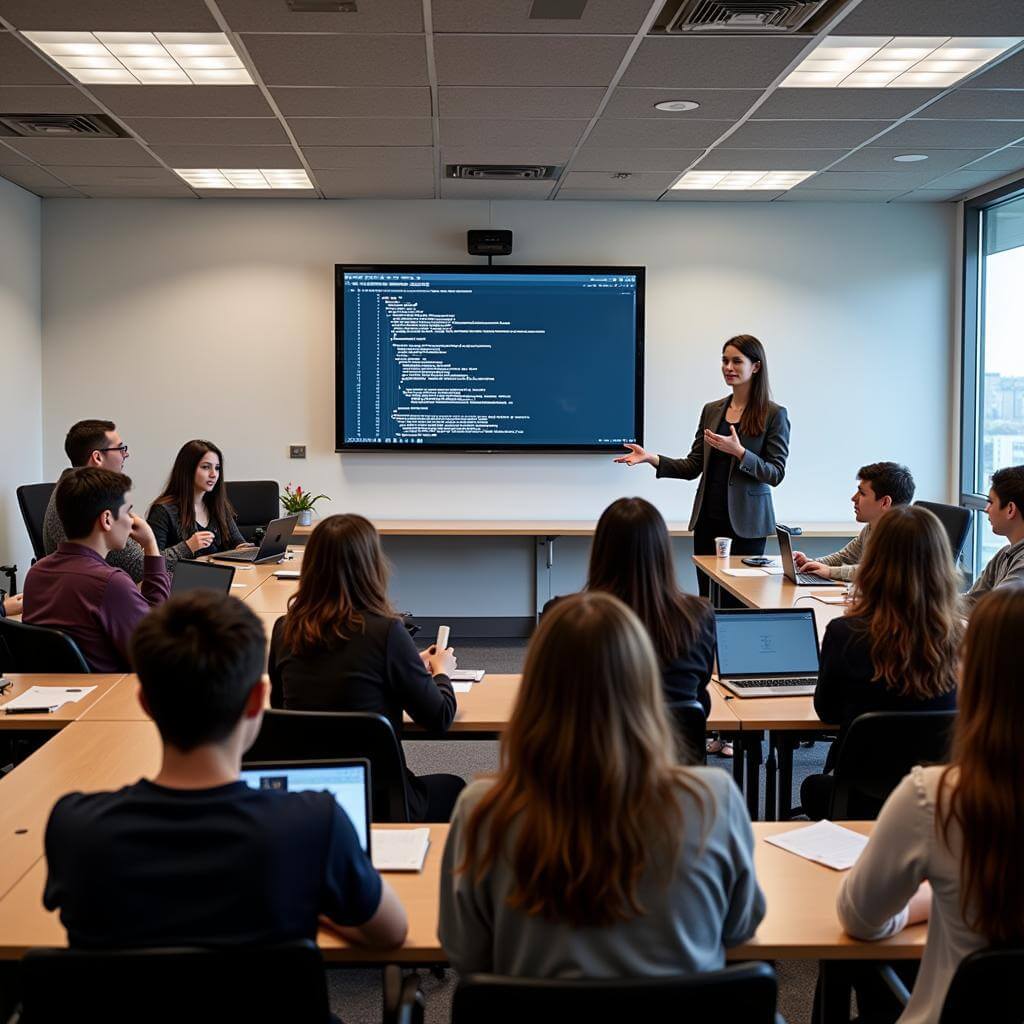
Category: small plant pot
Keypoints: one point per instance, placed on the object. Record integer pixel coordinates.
(306, 517)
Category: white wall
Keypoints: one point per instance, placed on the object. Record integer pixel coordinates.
(20, 365)
(215, 319)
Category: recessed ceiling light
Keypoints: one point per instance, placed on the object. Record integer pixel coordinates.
(145, 58)
(909, 158)
(244, 177)
(676, 106)
(894, 62)
(779, 181)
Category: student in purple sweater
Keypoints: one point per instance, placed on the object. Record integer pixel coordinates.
(76, 590)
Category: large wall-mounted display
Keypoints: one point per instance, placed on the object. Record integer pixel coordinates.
(504, 358)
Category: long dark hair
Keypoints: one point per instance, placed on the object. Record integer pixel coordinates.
(180, 489)
(344, 577)
(755, 415)
(631, 557)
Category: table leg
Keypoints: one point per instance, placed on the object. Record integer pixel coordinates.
(771, 780)
(752, 756)
(737, 761)
(787, 744)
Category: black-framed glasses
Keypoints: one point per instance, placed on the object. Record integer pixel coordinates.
(122, 448)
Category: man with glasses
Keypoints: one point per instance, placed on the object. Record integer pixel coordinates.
(96, 443)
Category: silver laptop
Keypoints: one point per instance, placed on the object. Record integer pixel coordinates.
(272, 547)
(347, 781)
(767, 653)
(801, 579)
(189, 576)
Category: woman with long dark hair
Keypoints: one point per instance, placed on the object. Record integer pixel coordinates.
(194, 508)
(897, 646)
(949, 843)
(631, 557)
(594, 853)
(343, 647)
(739, 452)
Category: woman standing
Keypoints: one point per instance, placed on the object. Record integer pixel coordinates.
(194, 507)
(739, 452)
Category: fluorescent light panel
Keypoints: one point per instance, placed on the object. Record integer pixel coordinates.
(742, 181)
(894, 62)
(244, 177)
(145, 58)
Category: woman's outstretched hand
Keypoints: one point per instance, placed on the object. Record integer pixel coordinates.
(730, 445)
(636, 456)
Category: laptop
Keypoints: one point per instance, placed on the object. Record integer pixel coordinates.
(347, 781)
(801, 579)
(767, 652)
(272, 547)
(189, 576)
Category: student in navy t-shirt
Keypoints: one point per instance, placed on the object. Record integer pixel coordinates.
(193, 856)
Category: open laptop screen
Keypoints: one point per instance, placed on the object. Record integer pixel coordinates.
(767, 643)
(189, 575)
(347, 781)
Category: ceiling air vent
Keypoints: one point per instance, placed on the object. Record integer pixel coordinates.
(60, 126)
(502, 172)
(768, 16)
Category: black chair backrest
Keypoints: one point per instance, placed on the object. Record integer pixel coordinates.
(877, 750)
(987, 981)
(323, 735)
(748, 990)
(174, 986)
(32, 500)
(256, 502)
(25, 648)
(691, 726)
(956, 520)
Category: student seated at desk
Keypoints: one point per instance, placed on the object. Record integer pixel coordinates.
(949, 843)
(194, 509)
(76, 590)
(1006, 516)
(342, 647)
(594, 853)
(194, 857)
(897, 647)
(880, 487)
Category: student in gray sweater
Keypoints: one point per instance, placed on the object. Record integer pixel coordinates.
(1006, 516)
(880, 487)
(594, 853)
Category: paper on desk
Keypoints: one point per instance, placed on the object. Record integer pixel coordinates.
(287, 574)
(399, 849)
(462, 687)
(242, 585)
(773, 570)
(49, 696)
(823, 842)
(743, 572)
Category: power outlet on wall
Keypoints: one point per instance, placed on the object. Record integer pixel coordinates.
(297, 451)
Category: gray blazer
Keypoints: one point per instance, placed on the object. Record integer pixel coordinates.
(750, 479)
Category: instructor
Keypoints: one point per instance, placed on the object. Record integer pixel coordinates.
(739, 452)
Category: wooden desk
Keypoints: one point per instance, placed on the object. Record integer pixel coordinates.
(63, 716)
(252, 577)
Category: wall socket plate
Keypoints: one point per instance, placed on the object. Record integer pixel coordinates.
(297, 451)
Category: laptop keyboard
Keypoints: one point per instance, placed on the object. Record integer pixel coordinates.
(795, 681)
(811, 579)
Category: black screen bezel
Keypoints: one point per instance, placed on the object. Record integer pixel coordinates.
(461, 268)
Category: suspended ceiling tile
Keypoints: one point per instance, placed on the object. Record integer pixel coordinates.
(599, 16)
(603, 195)
(928, 195)
(209, 131)
(605, 181)
(715, 104)
(505, 154)
(594, 158)
(858, 181)
(916, 134)
(1008, 74)
(398, 183)
(844, 104)
(31, 177)
(527, 132)
(183, 101)
(109, 15)
(52, 99)
(20, 66)
(933, 18)
(720, 159)
(1009, 159)
(979, 104)
(369, 158)
(964, 180)
(354, 101)
(339, 59)
(361, 131)
(803, 134)
(837, 195)
(111, 177)
(528, 60)
(370, 16)
(181, 191)
(877, 158)
(720, 62)
(452, 188)
(10, 157)
(270, 157)
(654, 133)
(85, 152)
(498, 101)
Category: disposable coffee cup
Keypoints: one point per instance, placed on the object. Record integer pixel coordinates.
(723, 545)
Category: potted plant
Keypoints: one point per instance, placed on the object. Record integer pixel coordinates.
(299, 501)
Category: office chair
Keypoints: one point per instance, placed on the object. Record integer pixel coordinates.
(25, 648)
(33, 500)
(987, 981)
(955, 520)
(256, 502)
(691, 727)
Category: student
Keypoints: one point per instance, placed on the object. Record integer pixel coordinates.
(897, 647)
(880, 487)
(76, 590)
(342, 647)
(193, 857)
(594, 853)
(949, 843)
(194, 509)
(739, 452)
(1006, 516)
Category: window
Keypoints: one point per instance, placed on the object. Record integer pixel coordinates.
(992, 431)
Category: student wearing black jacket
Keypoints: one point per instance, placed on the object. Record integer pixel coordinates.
(342, 647)
(897, 647)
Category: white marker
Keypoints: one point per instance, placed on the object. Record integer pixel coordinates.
(442, 638)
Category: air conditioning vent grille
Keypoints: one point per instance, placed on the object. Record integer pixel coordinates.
(60, 126)
(767, 16)
(502, 172)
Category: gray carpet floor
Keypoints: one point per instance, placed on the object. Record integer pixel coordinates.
(356, 993)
